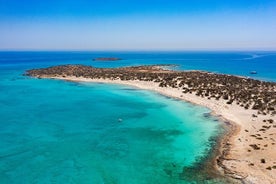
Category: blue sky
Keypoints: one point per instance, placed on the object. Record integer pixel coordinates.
(138, 25)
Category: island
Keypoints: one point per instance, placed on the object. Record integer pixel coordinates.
(106, 59)
(253, 72)
(247, 106)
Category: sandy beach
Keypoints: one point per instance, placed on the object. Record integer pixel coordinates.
(249, 154)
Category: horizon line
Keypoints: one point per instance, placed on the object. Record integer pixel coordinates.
(138, 50)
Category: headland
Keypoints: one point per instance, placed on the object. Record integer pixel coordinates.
(248, 152)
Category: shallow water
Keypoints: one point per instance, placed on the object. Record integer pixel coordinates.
(63, 132)
(56, 131)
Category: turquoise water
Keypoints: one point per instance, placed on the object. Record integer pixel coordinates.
(55, 131)
(63, 132)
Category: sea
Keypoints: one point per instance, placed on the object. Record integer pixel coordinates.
(54, 131)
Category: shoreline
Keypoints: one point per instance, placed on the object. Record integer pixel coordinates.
(234, 158)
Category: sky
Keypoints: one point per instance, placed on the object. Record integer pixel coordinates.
(138, 25)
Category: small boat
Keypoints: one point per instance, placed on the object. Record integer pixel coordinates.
(120, 120)
(253, 72)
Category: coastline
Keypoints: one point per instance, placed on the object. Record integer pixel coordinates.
(236, 157)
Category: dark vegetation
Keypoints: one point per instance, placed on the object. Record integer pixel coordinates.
(247, 93)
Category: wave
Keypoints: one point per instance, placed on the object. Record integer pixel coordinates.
(255, 56)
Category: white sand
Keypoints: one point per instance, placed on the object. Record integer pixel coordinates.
(240, 161)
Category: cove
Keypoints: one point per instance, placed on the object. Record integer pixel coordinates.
(58, 131)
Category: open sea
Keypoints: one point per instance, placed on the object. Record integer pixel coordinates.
(55, 131)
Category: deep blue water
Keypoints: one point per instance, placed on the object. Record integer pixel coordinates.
(63, 132)
(237, 63)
